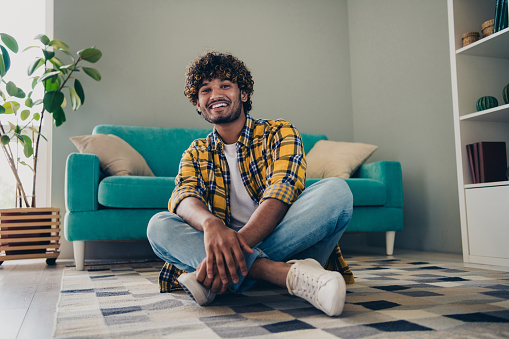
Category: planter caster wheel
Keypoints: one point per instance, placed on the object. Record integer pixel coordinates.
(51, 261)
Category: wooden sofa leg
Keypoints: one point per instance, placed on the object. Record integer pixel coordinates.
(389, 241)
(79, 254)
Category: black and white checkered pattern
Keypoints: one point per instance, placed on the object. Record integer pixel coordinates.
(391, 298)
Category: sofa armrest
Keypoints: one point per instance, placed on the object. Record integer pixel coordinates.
(81, 182)
(388, 172)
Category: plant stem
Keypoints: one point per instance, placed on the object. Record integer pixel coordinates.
(36, 157)
(40, 129)
(10, 160)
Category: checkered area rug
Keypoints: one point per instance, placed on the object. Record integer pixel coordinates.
(393, 298)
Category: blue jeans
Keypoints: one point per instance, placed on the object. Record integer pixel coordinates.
(311, 228)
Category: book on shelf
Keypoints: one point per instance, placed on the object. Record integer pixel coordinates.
(500, 21)
(487, 161)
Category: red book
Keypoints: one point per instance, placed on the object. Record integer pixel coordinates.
(475, 152)
(492, 161)
(471, 161)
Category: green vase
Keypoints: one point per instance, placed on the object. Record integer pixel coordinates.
(486, 103)
(505, 94)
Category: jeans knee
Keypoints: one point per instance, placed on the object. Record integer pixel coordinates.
(157, 224)
(337, 193)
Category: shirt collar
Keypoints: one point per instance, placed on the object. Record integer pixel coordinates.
(245, 135)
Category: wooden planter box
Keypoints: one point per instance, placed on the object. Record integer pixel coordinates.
(29, 233)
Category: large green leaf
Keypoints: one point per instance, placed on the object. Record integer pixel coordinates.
(48, 75)
(11, 107)
(48, 54)
(58, 44)
(35, 65)
(37, 116)
(90, 54)
(24, 114)
(56, 62)
(2, 66)
(28, 150)
(53, 100)
(43, 38)
(5, 139)
(10, 42)
(29, 102)
(59, 116)
(5, 61)
(93, 73)
(79, 90)
(21, 94)
(75, 99)
(11, 88)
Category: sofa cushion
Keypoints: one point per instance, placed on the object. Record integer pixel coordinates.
(336, 158)
(116, 156)
(135, 192)
(366, 192)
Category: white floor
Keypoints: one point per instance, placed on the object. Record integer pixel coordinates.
(29, 290)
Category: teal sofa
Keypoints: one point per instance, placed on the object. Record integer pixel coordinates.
(120, 207)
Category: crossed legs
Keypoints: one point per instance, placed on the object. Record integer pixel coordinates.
(311, 228)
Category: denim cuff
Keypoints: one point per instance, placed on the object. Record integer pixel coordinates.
(246, 283)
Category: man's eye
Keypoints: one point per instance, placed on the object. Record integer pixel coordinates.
(205, 90)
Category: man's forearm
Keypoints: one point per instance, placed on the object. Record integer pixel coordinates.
(194, 212)
(263, 221)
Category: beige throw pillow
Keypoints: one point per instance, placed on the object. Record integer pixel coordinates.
(337, 159)
(116, 156)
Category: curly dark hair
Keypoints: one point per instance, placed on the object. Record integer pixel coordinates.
(223, 66)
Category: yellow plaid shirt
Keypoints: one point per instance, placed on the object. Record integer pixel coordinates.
(272, 164)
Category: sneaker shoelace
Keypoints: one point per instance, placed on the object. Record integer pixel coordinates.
(308, 285)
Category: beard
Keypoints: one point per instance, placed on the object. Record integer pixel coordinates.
(235, 112)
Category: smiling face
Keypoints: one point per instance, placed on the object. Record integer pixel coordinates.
(220, 101)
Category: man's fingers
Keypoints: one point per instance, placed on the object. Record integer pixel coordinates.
(210, 266)
(232, 267)
(221, 269)
(216, 285)
(241, 262)
(224, 288)
(201, 272)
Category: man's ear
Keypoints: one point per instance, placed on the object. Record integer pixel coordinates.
(243, 96)
(197, 107)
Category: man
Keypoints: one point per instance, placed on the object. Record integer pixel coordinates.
(239, 212)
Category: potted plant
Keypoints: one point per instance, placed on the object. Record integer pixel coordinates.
(54, 76)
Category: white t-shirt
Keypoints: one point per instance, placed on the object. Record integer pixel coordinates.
(241, 204)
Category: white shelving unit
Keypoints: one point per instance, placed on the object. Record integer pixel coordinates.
(477, 70)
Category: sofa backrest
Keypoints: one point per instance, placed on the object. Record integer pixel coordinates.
(162, 147)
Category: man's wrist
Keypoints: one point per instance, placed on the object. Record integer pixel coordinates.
(212, 222)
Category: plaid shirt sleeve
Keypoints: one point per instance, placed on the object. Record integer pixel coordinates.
(287, 172)
(189, 181)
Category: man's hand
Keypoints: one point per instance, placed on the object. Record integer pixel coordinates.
(224, 248)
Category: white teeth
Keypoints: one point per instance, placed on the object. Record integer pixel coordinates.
(219, 105)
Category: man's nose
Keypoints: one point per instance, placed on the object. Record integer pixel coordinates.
(215, 93)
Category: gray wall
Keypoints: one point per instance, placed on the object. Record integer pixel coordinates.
(402, 102)
(297, 51)
(363, 70)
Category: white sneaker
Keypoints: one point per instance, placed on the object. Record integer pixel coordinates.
(326, 290)
(199, 293)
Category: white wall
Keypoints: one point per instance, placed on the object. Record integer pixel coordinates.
(297, 51)
(402, 103)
